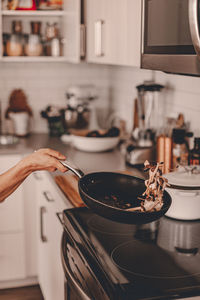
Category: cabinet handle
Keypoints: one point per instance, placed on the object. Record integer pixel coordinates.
(194, 24)
(82, 40)
(98, 38)
(42, 236)
(60, 217)
(48, 196)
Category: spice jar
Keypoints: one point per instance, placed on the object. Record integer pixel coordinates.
(34, 44)
(52, 44)
(14, 45)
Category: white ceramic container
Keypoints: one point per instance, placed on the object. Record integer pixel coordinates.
(91, 144)
(185, 193)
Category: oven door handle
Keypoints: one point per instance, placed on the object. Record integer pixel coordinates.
(194, 24)
(60, 218)
(71, 278)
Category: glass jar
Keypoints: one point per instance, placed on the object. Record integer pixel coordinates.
(52, 43)
(33, 46)
(15, 43)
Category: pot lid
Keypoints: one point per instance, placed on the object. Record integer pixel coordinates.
(185, 177)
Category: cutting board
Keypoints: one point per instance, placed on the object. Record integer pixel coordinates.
(69, 185)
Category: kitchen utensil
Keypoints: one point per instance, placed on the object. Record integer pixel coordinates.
(91, 144)
(78, 112)
(146, 124)
(94, 188)
(185, 192)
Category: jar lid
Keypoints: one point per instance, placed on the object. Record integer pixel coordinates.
(186, 178)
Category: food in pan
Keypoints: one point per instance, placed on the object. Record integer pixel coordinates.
(152, 199)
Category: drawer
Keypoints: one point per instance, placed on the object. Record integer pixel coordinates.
(12, 212)
(12, 256)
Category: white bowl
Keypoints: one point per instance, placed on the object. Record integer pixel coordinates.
(92, 144)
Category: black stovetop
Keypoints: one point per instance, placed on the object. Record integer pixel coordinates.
(159, 260)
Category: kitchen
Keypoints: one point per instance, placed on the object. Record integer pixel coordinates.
(115, 72)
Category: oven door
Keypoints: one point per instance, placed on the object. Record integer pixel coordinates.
(171, 40)
(81, 281)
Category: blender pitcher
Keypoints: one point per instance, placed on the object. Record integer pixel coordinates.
(149, 121)
(149, 112)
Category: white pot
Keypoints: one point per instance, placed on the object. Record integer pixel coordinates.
(185, 204)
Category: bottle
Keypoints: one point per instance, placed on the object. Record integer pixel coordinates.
(194, 155)
(180, 149)
(53, 43)
(14, 45)
(164, 152)
(34, 45)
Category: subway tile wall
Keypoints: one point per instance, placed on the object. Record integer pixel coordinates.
(182, 93)
(46, 84)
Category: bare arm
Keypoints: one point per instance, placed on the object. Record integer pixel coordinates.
(43, 159)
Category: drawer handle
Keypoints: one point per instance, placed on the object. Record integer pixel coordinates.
(42, 236)
(48, 196)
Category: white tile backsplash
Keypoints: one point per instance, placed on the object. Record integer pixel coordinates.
(46, 83)
(182, 93)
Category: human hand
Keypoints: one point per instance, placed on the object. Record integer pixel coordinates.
(44, 159)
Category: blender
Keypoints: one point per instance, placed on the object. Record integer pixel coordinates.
(148, 121)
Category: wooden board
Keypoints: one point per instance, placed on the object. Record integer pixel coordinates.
(69, 186)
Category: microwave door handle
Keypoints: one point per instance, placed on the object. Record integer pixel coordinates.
(194, 24)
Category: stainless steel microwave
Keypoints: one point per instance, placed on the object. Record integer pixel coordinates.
(171, 36)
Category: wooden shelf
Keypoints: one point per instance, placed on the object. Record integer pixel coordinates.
(47, 13)
(33, 59)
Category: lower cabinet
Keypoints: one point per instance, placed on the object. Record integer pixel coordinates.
(12, 256)
(49, 233)
(12, 234)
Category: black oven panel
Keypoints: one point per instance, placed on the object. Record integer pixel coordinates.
(79, 273)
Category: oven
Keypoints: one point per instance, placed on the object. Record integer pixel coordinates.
(106, 260)
(171, 41)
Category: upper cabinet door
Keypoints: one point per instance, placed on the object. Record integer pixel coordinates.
(71, 30)
(114, 31)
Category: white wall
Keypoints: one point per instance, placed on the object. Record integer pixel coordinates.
(182, 93)
(46, 83)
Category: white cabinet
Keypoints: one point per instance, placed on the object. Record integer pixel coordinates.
(114, 31)
(12, 237)
(69, 25)
(49, 233)
(17, 231)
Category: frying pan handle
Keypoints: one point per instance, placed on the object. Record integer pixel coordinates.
(72, 168)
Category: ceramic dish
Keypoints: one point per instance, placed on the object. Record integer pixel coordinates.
(91, 144)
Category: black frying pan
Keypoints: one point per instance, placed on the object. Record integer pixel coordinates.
(106, 193)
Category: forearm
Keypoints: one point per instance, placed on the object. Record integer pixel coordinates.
(43, 159)
(11, 179)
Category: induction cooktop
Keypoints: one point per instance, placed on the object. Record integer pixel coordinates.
(159, 260)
